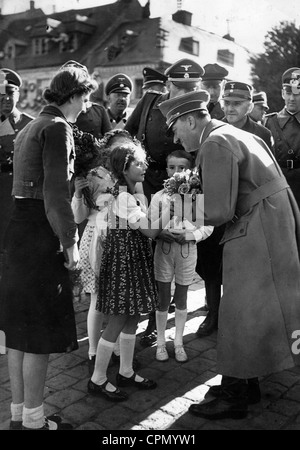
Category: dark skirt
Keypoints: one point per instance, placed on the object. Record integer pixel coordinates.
(36, 300)
(126, 283)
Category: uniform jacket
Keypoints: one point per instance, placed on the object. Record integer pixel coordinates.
(259, 130)
(154, 138)
(94, 120)
(8, 132)
(289, 139)
(285, 128)
(43, 167)
(215, 111)
(119, 122)
(260, 307)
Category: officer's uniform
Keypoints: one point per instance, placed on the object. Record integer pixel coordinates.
(148, 125)
(119, 83)
(10, 124)
(285, 128)
(214, 75)
(94, 120)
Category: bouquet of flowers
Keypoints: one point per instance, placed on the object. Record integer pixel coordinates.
(88, 155)
(185, 182)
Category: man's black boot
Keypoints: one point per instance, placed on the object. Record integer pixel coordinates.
(231, 405)
(253, 391)
(150, 335)
(210, 323)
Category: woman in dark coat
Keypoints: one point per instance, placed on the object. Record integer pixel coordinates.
(36, 306)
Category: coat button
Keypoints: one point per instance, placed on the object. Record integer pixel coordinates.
(242, 230)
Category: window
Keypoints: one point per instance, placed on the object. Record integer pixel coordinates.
(40, 46)
(226, 57)
(10, 52)
(189, 45)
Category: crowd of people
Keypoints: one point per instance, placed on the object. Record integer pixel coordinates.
(116, 222)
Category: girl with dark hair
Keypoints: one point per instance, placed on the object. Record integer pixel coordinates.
(36, 306)
(98, 180)
(126, 285)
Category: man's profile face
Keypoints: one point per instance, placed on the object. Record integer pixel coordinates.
(184, 135)
(258, 113)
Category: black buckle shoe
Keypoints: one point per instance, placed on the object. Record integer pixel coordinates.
(144, 384)
(147, 340)
(100, 390)
(17, 424)
(60, 425)
(220, 409)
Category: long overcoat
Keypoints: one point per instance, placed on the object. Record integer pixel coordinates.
(259, 313)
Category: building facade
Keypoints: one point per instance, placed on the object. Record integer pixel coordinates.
(109, 39)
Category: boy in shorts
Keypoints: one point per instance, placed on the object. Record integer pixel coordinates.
(175, 256)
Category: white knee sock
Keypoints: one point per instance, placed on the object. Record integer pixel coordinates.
(161, 324)
(104, 352)
(117, 347)
(94, 325)
(180, 319)
(127, 344)
(16, 410)
(34, 417)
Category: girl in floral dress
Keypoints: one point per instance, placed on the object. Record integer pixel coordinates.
(126, 285)
(98, 180)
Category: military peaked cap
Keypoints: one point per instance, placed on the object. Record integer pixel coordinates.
(184, 70)
(260, 98)
(119, 83)
(9, 78)
(178, 106)
(214, 72)
(152, 76)
(236, 90)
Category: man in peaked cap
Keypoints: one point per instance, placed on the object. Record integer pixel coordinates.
(148, 125)
(154, 80)
(11, 122)
(237, 106)
(244, 188)
(184, 72)
(285, 128)
(213, 81)
(260, 107)
(118, 90)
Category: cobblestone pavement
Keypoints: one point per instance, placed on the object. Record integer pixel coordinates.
(179, 385)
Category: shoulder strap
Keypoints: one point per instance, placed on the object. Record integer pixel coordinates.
(149, 101)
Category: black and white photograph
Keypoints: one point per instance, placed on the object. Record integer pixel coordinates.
(149, 218)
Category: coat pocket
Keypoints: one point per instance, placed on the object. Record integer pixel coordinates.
(234, 231)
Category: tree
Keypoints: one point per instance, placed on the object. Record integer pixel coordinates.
(282, 51)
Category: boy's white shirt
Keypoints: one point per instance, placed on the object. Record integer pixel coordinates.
(176, 224)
